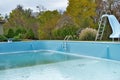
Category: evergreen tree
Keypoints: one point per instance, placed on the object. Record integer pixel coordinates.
(10, 33)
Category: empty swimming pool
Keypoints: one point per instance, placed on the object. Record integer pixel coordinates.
(49, 60)
(54, 65)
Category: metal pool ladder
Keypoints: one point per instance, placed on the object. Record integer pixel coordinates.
(65, 42)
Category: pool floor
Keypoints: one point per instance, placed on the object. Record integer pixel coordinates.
(78, 69)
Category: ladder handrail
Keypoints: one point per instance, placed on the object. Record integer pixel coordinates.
(65, 41)
(67, 37)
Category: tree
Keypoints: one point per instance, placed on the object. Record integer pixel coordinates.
(108, 6)
(64, 31)
(48, 21)
(82, 12)
(41, 8)
(21, 18)
(10, 33)
(1, 18)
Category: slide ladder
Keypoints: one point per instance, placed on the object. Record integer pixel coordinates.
(102, 24)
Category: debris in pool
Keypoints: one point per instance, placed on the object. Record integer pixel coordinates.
(114, 72)
(81, 65)
(25, 76)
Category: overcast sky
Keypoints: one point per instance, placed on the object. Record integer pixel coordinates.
(6, 6)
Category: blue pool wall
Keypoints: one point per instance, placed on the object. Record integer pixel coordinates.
(108, 50)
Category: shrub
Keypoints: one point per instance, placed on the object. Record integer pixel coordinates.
(3, 38)
(18, 37)
(87, 34)
(30, 34)
(64, 31)
(10, 33)
(20, 31)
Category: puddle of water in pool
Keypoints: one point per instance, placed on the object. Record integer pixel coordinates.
(75, 69)
(24, 59)
(80, 69)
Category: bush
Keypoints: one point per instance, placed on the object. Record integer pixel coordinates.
(10, 33)
(3, 38)
(20, 34)
(30, 34)
(88, 34)
(18, 37)
(20, 31)
(64, 31)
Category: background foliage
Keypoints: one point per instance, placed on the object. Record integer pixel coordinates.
(79, 15)
(82, 12)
